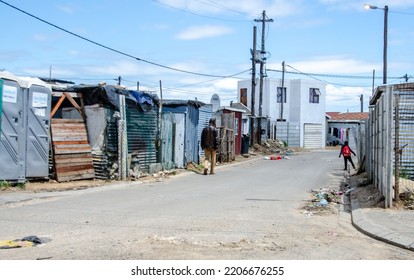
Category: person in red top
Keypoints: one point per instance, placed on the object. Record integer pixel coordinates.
(346, 152)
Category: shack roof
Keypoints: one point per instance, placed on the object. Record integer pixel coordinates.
(353, 116)
(178, 102)
(109, 95)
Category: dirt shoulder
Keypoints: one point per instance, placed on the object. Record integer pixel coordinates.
(54, 186)
(370, 197)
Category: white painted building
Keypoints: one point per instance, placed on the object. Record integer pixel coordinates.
(300, 119)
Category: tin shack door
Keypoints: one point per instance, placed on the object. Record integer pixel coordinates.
(179, 140)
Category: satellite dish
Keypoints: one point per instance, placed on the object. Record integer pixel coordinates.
(215, 101)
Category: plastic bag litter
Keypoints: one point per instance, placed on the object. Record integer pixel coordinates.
(32, 238)
(323, 202)
(28, 241)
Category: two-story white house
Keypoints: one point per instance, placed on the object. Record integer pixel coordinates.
(295, 113)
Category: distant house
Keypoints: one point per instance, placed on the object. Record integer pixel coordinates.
(293, 112)
(340, 124)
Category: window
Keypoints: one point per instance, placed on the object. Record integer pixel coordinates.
(236, 126)
(314, 95)
(279, 94)
(243, 96)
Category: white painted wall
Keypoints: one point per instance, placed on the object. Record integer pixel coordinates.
(297, 107)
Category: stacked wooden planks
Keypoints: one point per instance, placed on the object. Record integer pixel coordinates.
(71, 150)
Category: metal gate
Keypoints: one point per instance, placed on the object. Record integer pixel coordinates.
(288, 132)
(203, 119)
(179, 140)
(313, 136)
(167, 137)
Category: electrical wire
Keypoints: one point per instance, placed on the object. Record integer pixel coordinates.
(227, 8)
(195, 14)
(110, 48)
(313, 75)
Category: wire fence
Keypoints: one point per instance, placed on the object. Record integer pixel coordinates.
(390, 141)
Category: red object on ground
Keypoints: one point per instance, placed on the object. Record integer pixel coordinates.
(275, 157)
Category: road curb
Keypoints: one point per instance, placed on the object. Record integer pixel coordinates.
(370, 228)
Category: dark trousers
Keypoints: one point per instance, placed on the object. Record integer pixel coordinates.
(346, 161)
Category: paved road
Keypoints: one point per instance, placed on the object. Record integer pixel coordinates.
(251, 210)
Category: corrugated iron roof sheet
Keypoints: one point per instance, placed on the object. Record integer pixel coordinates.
(355, 116)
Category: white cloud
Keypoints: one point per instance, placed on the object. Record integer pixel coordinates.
(116, 69)
(199, 32)
(343, 99)
(244, 8)
(40, 37)
(359, 4)
(226, 84)
(335, 64)
(68, 9)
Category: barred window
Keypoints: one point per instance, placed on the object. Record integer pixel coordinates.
(314, 95)
(279, 94)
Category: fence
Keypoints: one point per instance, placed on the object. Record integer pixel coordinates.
(390, 140)
(289, 132)
(357, 141)
(226, 151)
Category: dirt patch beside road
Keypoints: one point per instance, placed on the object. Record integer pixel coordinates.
(370, 197)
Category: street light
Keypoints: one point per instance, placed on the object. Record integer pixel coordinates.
(384, 68)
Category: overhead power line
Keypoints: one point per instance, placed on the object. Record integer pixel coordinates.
(297, 72)
(195, 14)
(112, 49)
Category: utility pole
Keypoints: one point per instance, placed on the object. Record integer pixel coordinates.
(362, 103)
(283, 91)
(262, 63)
(137, 86)
(159, 141)
(384, 75)
(119, 80)
(373, 82)
(254, 61)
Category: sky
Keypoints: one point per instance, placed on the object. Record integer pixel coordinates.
(192, 49)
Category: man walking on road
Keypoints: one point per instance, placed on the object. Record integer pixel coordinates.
(209, 143)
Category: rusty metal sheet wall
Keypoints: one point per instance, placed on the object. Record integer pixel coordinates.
(142, 135)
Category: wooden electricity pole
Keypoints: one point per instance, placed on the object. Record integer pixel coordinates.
(262, 63)
(253, 96)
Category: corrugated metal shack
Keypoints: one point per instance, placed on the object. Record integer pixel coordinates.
(142, 131)
(186, 125)
(122, 130)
